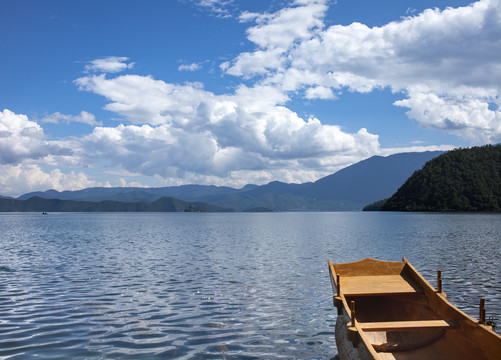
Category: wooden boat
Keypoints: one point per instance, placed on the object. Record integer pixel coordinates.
(387, 310)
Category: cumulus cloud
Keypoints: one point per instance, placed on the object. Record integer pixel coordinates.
(319, 92)
(275, 34)
(184, 130)
(23, 178)
(448, 57)
(142, 99)
(110, 64)
(287, 26)
(84, 117)
(467, 115)
(22, 139)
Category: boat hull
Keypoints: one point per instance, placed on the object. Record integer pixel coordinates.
(345, 348)
(387, 310)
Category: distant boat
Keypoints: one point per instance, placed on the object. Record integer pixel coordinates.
(387, 310)
(44, 212)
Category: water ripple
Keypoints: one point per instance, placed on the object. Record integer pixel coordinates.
(214, 286)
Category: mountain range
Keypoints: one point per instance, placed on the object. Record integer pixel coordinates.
(349, 189)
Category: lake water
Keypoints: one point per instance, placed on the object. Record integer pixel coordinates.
(215, 286)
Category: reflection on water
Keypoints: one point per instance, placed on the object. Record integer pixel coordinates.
(215, 286)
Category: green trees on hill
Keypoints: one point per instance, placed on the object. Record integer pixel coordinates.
(460, 180)
(164, 204)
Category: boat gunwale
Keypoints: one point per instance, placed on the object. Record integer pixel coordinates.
(439, 304)
(347, 310)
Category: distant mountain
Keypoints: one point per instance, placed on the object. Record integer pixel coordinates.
(371, 179)
(164, 204)
(349, 189)
(460, 180)
(131, 194)
(346, 190)
(275, 196)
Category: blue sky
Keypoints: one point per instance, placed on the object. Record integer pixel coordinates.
(226, 92)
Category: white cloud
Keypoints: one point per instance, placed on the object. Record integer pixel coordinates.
(22, 139)
(274, 34)
(142, 99)
(449, 57)
(286, 26)
(219, 8)
(319, 92)
(254, 63)
(189, 67)
(467, 116)
(184, 131)
(22, 178)
(415, 148)
(84, 117)
(110, 64)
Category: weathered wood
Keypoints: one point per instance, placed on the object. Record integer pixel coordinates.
(481, 318)
(369, 267)
(417, 342)
(439, 281)
(377, 285)
(407, 325)
(353, 313)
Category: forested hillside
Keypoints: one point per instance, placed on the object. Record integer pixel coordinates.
(459, 180)
(165, 204)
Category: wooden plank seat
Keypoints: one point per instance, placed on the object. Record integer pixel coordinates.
(377, 285)
(407, 325)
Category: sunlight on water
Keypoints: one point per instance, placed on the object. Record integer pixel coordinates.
(215, 286)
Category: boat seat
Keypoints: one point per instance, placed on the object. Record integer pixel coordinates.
(407, 325)
(377, 285)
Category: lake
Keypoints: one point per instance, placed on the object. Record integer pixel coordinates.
(216, 285)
